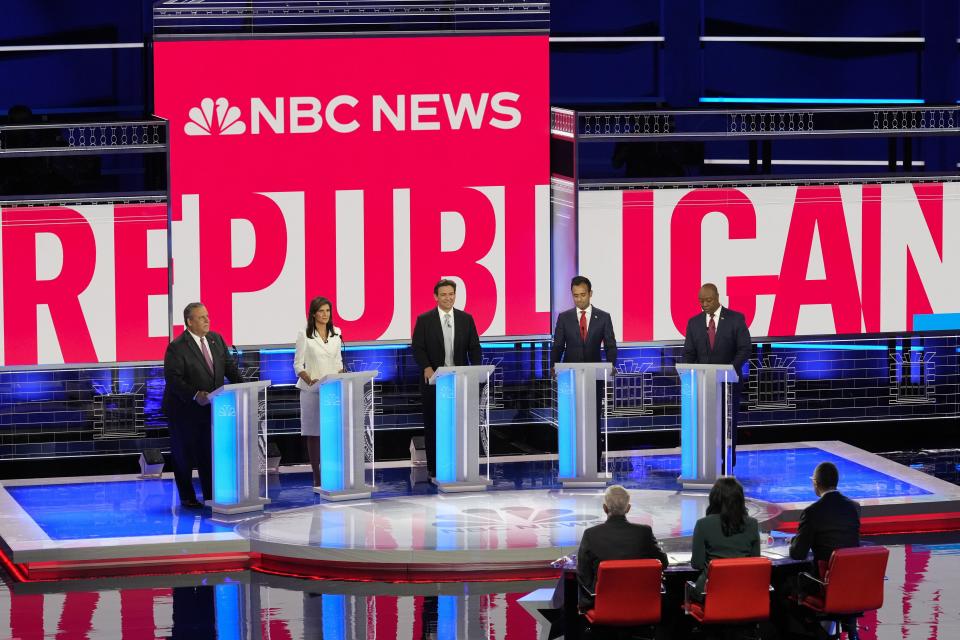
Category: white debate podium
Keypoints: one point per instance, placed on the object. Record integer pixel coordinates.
(234, 434)
(577, 422)
(463, 420)
(706, 422)
(346, 435)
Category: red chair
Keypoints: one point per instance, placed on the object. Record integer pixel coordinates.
(627, 594)
(737, 592)
(852, 584)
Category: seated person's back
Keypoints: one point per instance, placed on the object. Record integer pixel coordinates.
(615, 539)
(832, 522)
(726, 531)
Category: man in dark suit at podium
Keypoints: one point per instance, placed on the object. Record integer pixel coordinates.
(578, 337)
(442, 337)
(719, 336)
(195, 364)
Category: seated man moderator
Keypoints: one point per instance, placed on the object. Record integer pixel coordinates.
(615, 539)
(830, 523)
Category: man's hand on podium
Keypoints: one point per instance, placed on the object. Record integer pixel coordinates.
(202, 398)
(427, 374)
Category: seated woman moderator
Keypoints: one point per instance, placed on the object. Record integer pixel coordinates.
(726, 531)
(318, 354)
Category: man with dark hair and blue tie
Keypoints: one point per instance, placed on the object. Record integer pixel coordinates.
(719, 335)
(579, 335)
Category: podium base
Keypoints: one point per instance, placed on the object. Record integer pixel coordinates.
(461, 487)
(599, 480)
(360, 493)
(695, 484)
(254, 504)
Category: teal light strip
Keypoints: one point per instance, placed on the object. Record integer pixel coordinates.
(936, 321)
(390, 347)
(825, 345)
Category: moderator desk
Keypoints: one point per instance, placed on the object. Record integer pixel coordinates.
(556, 609)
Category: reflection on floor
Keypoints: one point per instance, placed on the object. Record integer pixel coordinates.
(68, 528)
(940, 463)
(920, 603)
(108, 509)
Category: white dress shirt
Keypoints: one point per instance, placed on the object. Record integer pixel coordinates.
(588, 312)
(453, 319)
(453, 330)
(716, 317)
(316, 357)
(199, 341)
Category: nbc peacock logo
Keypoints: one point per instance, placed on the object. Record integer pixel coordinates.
(506, 518)
(214, 118)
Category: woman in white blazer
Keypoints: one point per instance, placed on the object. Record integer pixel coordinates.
(318, 353)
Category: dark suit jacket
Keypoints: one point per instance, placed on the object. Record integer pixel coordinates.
(731, 346)
(832, 522)
(615, 539)
(709, 543)
(186, 373)
(428, 340)
(568, 345)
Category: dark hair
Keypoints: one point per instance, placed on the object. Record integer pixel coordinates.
(315, 305)
(578, 280)
(188, 310)
(826, 475)
(444, 283)
(726, 499)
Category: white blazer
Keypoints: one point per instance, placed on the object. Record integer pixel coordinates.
(316, 357)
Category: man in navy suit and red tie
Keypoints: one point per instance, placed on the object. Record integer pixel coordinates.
(719, 336)
(578, 336)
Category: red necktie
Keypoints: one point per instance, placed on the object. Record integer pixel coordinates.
(712, 331)
(583, 326)
(209, 360)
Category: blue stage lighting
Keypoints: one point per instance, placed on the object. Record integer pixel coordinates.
(936, 321)
(225, 490)
(331, 436)
(688, 424)
(566, 422)
(446, 428)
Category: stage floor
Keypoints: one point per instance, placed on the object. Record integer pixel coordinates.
(111, 526)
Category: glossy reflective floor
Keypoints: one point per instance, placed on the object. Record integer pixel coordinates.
(779, 474)
(922, 592)
(473, 527)
(921, 602)
(522, 523)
